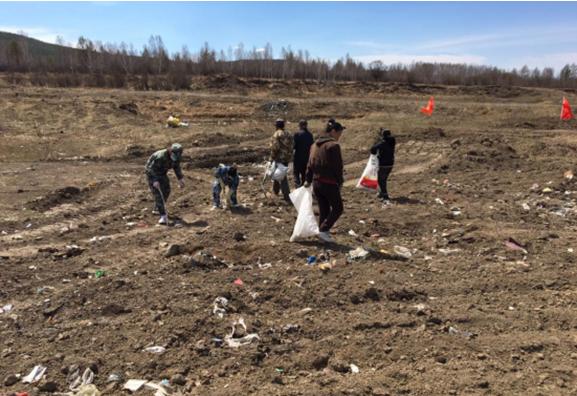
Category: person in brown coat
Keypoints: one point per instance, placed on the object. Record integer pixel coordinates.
(325, 172)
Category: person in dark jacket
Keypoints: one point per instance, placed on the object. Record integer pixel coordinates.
(303, 140)
(156, 170)
(385, 150)
(225, 177)
(325, 172)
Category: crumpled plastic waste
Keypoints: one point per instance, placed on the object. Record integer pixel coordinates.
(238, 342)
(359, 253)
(219, 306)
(35, 375)
(76, 381)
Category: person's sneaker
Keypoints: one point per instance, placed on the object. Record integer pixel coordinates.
(325, 236)
(163, 220)
(387, 202)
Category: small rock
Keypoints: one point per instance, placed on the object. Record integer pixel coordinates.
(173, 250)
(49, 387)
(441, 359)
(10, 380)
(178, 379)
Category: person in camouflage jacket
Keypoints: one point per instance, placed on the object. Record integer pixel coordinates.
(156, 170)
(282, 146)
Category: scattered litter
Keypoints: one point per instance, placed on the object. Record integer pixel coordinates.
(570, 250)
(352, 233)
(449, 251)
(568, 175)
(219, 307)
(6, 308)
(238, 342)
(134, 384)
(466, 334)
(534, 187)
(439, 201)
(305, 311)
(403, 252)
(238, 282)
(358, 254)
(362, 222)
(455, 212)
(526, 206)
(99, 274)
(131, 224)
(155, 349)
(76, 381)
(325, 266)
(514, 245)
(35, 375)
(87, 390)
(264, 265)
(276, 219)
(354, 369)
(547, 190)
(311, 260)
(114, 377)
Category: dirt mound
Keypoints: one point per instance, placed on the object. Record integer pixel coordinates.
(541, 123)
(496, 91)
(486, 152)
(58, 197)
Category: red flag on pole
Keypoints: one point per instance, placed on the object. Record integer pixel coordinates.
(428, 109)
(566, 113)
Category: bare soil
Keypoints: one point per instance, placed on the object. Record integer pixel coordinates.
(465, 314)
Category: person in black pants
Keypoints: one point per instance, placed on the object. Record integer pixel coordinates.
(303, 140)
(325, 172)
(385, 150)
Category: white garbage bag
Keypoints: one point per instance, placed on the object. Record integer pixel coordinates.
(370, 176)
(279, 171)
(306, 224)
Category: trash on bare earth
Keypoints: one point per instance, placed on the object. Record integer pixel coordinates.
(155, 349)
(446, 252)
(238, 282)
(134, 384)
(219, 306)
(87, 390)
(238, 342)
(35, 375)
(403, 252)
(353, 233)
(6, 308)
(568, 175)
(439, 201)
(354, 369)
(514, 245)
(311, 260)
(359, 253)
(76, 380)
(466, 334)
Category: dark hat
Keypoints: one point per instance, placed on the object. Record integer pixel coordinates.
(279, 123)
(385, 132)
(333, 125)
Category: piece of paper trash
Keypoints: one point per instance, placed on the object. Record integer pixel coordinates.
(354, 369)
(155, 349)
(6, 308)
(219, 306)
(403, 252)
(514, 245)
(35, 375)
(238, 282)
(238, 342)
(134, 384)
(568, 175)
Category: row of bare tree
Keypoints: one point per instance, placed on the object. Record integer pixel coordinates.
(97, 64)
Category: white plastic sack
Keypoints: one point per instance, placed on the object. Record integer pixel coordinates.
(306, 224)
(370, 176)
(279, 172)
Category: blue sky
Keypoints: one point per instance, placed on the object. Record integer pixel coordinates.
(504, 34)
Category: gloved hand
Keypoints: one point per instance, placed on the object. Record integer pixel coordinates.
(156, 185)
(181, 183)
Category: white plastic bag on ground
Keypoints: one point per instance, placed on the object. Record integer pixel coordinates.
(306, 224)
(279, 171)
(369, 178)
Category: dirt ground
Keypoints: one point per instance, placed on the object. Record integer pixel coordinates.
(465, 314)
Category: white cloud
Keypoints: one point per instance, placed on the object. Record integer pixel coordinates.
(39, 33)
(389, 59)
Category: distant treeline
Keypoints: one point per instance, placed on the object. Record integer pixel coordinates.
(111, 65)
